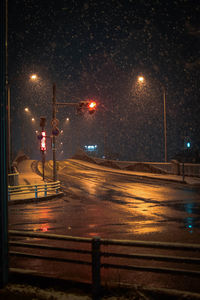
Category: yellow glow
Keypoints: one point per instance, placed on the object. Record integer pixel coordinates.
(33, 119)
(141, 79)
(26, 109)
(33, 77)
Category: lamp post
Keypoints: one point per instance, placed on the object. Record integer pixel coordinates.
(54, 138)
(165, 121)
(141, 80)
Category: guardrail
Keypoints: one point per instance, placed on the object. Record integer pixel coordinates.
(13, 179)
(37, 190)
(95, 254)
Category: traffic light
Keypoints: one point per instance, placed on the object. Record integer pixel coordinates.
(43, 146)
(91, 106)
(86, 106)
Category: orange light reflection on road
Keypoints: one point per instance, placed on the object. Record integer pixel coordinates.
(144, 205)
(44, 228)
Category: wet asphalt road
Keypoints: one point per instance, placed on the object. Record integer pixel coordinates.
(114, 205)
(110, 205)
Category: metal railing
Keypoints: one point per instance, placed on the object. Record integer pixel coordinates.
(13, 179)
(95, 255)
(37, 190)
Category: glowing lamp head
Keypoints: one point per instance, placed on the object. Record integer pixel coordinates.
(33, 77)
(140, 79)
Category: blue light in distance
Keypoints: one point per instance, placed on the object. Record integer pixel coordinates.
(188, 145)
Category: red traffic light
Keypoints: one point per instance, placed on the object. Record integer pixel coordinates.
(86, 106)
(43, 146)
(92, 106)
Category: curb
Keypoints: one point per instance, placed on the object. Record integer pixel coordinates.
(35, 200)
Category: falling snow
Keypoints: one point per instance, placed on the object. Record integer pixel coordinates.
(96, 49)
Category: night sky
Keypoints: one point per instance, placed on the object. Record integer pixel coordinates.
(97, 49)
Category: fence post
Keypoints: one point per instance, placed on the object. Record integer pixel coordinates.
(183, 171)
(96, 268)
(36, 191)
(45, 189)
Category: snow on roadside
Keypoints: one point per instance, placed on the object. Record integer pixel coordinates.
(32, 292)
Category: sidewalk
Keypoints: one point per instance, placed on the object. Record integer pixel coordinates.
(28, 177)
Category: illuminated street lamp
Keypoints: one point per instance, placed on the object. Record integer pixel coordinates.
(34, 77)
(141, 79)
(33, 119)
(26, 109)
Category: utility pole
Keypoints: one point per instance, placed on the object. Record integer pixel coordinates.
(54, 138)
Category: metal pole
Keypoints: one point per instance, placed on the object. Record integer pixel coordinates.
(3, 146)
(165, 123)
(96, 268)
(54, 138)
(43, 162)
(9, 144)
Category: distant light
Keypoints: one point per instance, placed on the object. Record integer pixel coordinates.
(141, 79)
(188, 145)
(67, 119)
(90, 147)
(33, 77)
(92, 104)
(33, 119)
(26, 109)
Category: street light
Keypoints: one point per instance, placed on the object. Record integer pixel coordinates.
(141, 80)
(34, 77)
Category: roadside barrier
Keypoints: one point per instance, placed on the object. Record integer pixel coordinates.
(13, 179)
(37, 190)
(151, 262)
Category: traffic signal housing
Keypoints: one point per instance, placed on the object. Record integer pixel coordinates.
(43, 140)
(91, 106)
(86, 106)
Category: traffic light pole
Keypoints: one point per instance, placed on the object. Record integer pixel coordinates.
(54, 138)
(54, 106)
(43, 162)
(91, 107)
